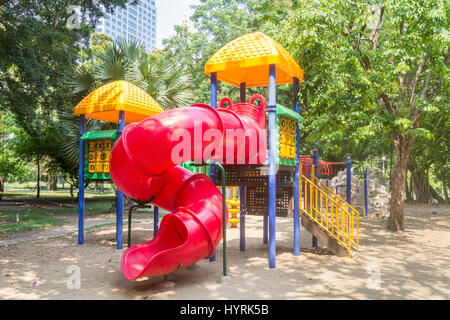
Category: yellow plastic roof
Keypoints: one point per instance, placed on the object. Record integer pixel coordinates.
(247, 60)
(106, 102)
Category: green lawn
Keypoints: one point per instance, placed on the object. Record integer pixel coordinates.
(37, 218)
(60, 206)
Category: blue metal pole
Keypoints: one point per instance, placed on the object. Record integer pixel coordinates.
(119, 222)
(155, 220)
(212, 172)
(81, 184)
(366, 201)
(272, 108)
(242, 217)
(349, 180)
(315, 157)
(297, 178)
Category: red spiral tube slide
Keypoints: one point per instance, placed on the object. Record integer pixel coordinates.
(143, 165)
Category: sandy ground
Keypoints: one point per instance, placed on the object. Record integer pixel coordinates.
(409, 265)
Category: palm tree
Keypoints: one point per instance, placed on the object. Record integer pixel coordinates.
(160, 77)
(122, 59)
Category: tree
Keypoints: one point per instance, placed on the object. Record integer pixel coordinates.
(12, 166)
(212, 25)
(38, 53)
(156, 73)
(389, 60)
(111, 60)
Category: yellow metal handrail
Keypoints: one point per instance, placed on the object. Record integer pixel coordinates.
(329, 211)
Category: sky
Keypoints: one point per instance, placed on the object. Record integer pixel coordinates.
(170, 13)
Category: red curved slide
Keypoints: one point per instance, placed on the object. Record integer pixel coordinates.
(143, 165)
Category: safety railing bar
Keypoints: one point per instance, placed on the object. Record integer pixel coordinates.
(333, 235)
(333, 192)
(336, 201)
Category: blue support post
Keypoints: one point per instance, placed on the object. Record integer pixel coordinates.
(119, 221)
(315, 157)
(242, 217)
(155, 220)
(297, 178)
(366, 201)
(81, 184)
(212, 172)
(272, 108)
(349, 180)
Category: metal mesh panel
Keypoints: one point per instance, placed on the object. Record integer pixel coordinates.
(257, 201)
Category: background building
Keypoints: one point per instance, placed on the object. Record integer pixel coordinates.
(137, 22)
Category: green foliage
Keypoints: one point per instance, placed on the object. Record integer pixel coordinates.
(355, 57)
(39, 52)
(13, 167)
(216, 23)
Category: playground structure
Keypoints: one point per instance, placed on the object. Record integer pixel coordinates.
(118, 102)
(273, 179)
(234, 205)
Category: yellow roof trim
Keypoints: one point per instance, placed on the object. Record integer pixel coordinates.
(247, 60)
(105, 103)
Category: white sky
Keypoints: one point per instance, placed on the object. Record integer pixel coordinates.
(170, 13)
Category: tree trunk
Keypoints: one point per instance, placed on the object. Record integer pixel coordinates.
(403, 144)
(436, 196)
(422, 188)
(71, 194)
(391, 154)
(52, 183)
(38, 193)
(444, 190)
(408, 189)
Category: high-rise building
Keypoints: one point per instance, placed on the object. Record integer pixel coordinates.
(137, 22)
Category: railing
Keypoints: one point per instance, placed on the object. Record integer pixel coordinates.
(329, 211)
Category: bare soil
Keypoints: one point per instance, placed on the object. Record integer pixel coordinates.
(406, 265)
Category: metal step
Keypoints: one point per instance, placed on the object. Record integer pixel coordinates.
(323, 236)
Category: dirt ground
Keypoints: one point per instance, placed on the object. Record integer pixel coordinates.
(409, 265)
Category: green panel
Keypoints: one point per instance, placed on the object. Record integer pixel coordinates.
(289, 114)
(100, 135)
(195, 169)
(97, 135)
(288, 162)
(282, 111)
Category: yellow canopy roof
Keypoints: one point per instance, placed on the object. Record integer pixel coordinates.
(247, 60)
(106, 102)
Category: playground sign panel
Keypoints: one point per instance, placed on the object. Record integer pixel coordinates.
(97, 153)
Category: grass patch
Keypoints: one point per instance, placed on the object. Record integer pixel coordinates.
(35, 218)
(100, 226)
(29, 221)
(61, 196)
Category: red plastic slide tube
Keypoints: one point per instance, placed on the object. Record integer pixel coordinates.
(143, 165)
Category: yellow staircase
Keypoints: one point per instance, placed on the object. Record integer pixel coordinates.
(327, 216)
